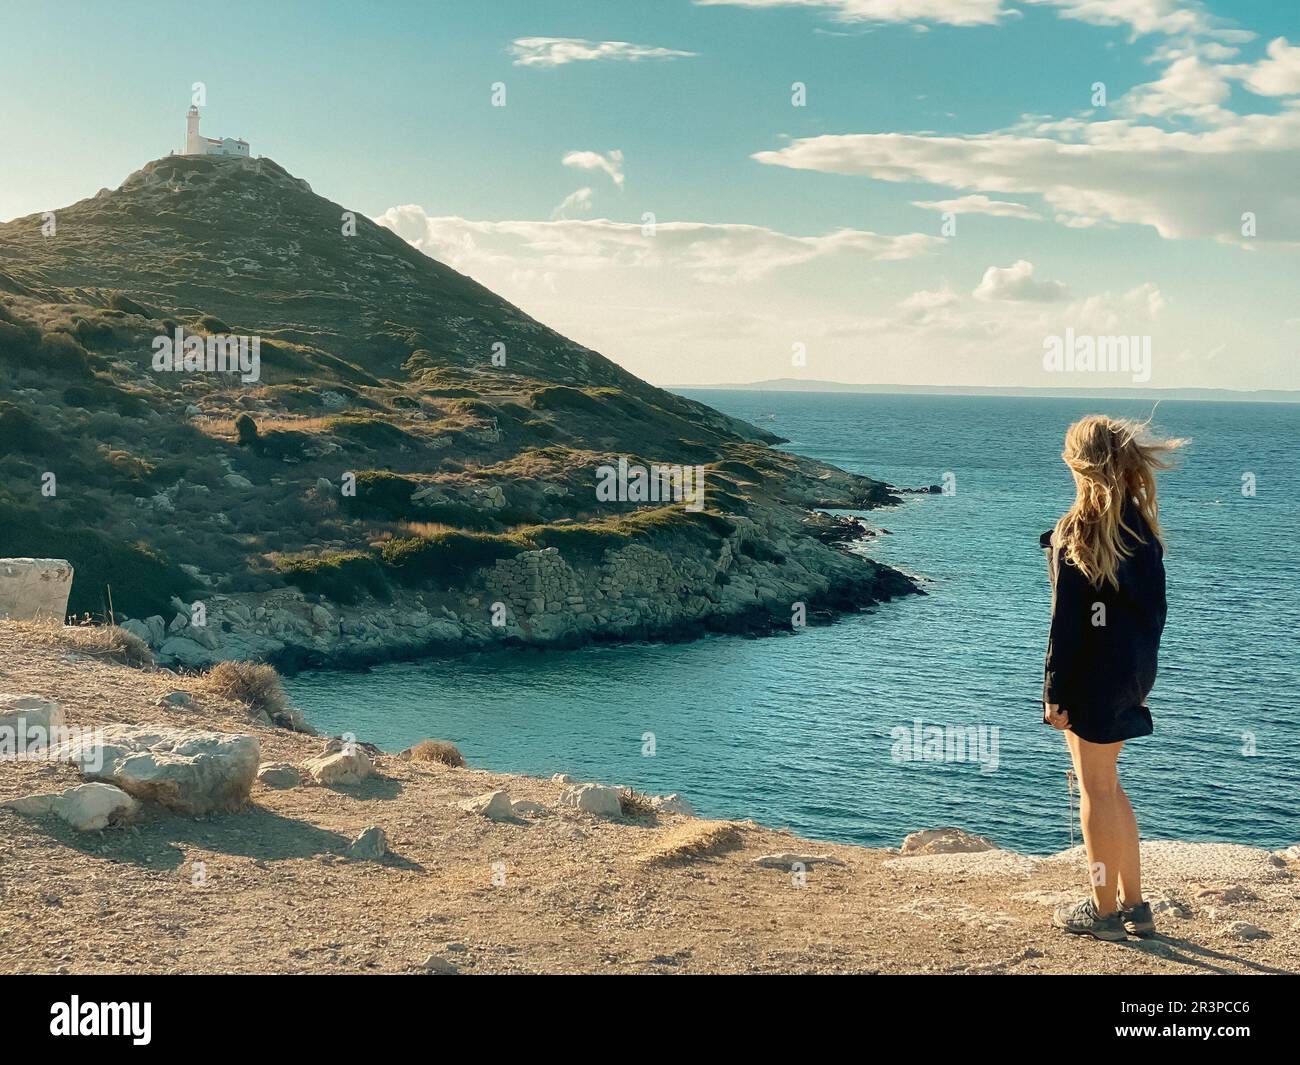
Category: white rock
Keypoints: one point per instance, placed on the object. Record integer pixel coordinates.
(1167, 904)
(371, 845)
(34, 588)
(596, 799)
(87, 807)
(186, 770)
(27, 721)
(945, 841)
(340, 768)
(672, 804)
(90, 807)
(494, 805)
(278, 775)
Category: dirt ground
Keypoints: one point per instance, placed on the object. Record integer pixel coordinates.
(269, 890)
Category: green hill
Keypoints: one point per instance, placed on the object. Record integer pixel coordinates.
(376, 364)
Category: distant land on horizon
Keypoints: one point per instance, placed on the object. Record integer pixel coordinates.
(1218, 395)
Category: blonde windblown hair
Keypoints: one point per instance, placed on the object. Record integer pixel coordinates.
(1112, 461)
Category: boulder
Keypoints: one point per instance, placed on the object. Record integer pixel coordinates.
(31, 805)
(137, 628)
(87, 807)
(340, 768)
(944, 841)
(34, 588)
(494, 805)
(27, 721)
(672, 804)
(278, 775)
(596, 799)
(185, 652)
(186, 770)
(370, 846)
(90, 807)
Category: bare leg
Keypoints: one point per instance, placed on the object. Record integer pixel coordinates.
(1109, 827)
(1129, 878)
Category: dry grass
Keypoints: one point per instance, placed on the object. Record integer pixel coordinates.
(691, 840)
(258, 687)
(222, 426)
(636, 804)
(443, 751)
(423, 528)
(102, 641)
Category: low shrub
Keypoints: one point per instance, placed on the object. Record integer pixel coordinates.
(442, 751)
(381, 494)
(346, 577)
(258, 687)
(448, 559)
(369, 432)
(119, 301)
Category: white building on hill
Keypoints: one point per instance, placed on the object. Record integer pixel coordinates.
(197, 144)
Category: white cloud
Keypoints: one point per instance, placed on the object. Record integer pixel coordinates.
(1016, 283)
(611, 164)
(949, 12)
(1182, 183)
(1168, 17)
(979, 204)
(577, 202)
(1278, 75)
(1188, 87)
(558, 51)
(1187, 18)
(707, 251)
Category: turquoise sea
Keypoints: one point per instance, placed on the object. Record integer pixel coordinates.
(801, 730)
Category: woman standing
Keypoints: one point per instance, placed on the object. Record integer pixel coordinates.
(1105, 559)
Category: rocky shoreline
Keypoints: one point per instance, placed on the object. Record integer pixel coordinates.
(205, 840)
(774, 571)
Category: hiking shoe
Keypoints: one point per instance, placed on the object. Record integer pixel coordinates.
(1138, 919)
(1081, 919)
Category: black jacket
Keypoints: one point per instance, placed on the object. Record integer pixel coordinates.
(1103, 644)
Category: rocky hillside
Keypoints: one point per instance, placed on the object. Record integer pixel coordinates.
(413, 468)
(278, 852)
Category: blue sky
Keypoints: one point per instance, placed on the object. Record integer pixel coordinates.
(1116, 219)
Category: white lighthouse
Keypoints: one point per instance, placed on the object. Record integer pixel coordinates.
(197, 144)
